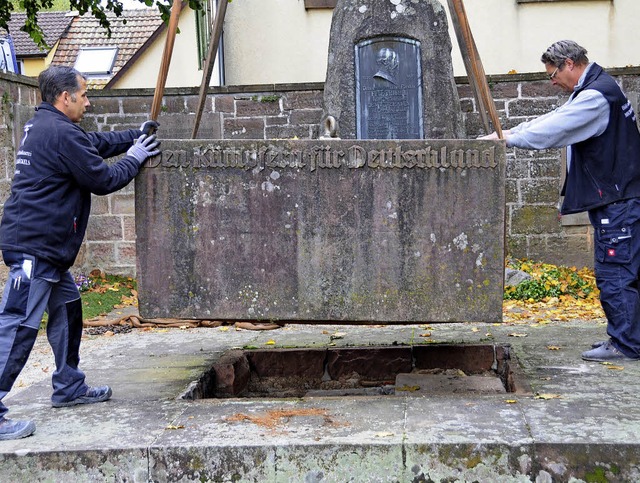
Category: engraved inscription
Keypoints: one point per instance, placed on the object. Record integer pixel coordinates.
(326, 157)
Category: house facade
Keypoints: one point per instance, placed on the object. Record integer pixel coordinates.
(510, 35)
(31, 58)
(276, 42)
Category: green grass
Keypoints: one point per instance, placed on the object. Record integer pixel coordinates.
(100, 294)
(551, 281)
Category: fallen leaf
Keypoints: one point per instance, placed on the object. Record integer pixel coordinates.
(511, 401)
(337, 335)
(515, 334)
(553, 347)
(614, 367)
(383, 434)
(408, 388)
(548, 396)
(109, 333)
(224, 328)
(172, 426)
(474, 329)
(270, 342)
(426, 334)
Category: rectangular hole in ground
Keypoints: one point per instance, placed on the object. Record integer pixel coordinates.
(348, 371)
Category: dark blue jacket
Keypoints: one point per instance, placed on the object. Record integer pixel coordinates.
(58, 166)
(606, 168)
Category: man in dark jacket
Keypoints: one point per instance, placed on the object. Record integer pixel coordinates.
(58, 167)
(599, 127)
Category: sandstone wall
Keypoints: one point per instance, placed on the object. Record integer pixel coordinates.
(534, 228)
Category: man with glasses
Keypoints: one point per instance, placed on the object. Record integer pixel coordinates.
(598, 126)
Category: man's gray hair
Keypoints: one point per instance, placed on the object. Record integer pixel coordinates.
(56, 79)
(562, 50)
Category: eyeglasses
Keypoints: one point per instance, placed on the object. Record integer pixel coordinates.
(555, 72)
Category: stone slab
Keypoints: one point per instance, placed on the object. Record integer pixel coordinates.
(429, 384)
(330, 230)
(584, 430)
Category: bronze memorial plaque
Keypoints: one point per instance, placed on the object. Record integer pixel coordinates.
(389, 89)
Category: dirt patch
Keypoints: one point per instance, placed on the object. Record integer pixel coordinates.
(276, 417)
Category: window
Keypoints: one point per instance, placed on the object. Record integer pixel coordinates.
(204, 20)
(204, 26)
(96, 61)
(8, 61)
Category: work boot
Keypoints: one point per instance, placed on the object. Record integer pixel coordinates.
(10, 429)
(93, 395)
(605, 353)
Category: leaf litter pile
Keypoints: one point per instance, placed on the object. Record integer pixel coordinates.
(553, 293)
(276, 417)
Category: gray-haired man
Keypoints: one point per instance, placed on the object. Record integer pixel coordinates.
(599, 127)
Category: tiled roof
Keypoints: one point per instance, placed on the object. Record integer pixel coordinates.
(86, 32)
(53, 25)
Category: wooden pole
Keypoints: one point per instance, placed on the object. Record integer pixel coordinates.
(473, 65)
(166, 58)
(466, 58)
(214, 41)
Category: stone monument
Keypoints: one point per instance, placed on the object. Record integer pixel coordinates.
(396, 222)
(389, 73)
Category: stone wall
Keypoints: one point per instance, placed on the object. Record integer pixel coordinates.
(18, 96)
(534, 228)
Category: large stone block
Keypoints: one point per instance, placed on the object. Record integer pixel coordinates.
(390, 361)
(307, 363)
(343, 230)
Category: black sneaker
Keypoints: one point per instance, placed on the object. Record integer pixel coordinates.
(10, 429)
(93, 395)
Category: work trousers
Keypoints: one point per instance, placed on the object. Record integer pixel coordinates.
(34, 286)
(617, 265)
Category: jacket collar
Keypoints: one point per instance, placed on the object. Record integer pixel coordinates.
(46, 106)
(591, 73)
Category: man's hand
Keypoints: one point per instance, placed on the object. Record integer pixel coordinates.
(149, 127)
(144, 147)
(493, 135)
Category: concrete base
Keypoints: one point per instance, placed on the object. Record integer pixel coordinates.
(584, 423)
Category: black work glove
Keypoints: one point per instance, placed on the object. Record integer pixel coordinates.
(144, 147)
(149, 127)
